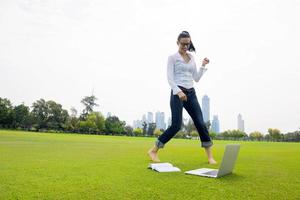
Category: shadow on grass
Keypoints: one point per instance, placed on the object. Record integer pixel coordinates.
(230, 178)
(227, 178)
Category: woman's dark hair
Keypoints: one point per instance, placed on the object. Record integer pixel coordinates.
(185, 34)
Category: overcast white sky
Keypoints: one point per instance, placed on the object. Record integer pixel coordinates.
(62, 49)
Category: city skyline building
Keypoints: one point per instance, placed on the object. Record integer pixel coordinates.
(215, 124)
(206, 108)
(240, 123)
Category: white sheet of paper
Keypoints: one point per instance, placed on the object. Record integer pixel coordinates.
(164, 167)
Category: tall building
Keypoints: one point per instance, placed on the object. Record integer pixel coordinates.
(205, 108)
(215, 124)
(160, 120)
(169, 122)
(240, 123)
(137, 124)
(144, 119)
(164, 124)
(150, 117)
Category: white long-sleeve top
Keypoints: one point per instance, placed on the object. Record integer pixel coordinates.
(181, 73)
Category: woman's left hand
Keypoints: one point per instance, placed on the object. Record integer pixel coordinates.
(205, 61)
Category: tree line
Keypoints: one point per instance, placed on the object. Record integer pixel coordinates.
(273, 135)
(50, 116)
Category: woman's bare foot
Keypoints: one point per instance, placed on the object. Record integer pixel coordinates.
(212, 161)
(153, 154)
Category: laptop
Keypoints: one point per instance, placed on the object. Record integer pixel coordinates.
(226, 167)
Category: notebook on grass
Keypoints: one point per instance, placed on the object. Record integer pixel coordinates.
(163, 167)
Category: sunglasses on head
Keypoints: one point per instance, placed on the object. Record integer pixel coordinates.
(185, 44)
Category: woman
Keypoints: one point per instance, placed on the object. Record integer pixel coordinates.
(181, 72)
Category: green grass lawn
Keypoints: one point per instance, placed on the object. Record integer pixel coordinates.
(73, 166)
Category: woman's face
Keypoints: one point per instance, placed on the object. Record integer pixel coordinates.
(184, 44)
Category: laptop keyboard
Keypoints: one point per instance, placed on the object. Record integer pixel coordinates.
(213, 173)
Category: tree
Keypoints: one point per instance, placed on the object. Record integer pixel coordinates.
(72, 124)
(94, 123)
(292, 136)
(40, 114)
(138, 132)
(275, 134)
(89, 103)
(114, 125)
(223, 135)
(256, 135)
(194, 134)
(157, 132)
(6, 113)
(208, 124)
(213, 135)
(21, 117)
(48, 115)
(189, 127)
(57, 116)
(237, 134)
(180, 134)
(99, 121)
(232, 134)
(129, 130)
(144, 128)
(73, 112)
(151, 128)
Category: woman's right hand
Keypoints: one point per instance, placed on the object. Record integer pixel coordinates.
(182, 96)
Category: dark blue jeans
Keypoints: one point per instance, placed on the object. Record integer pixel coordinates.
(193, 108)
